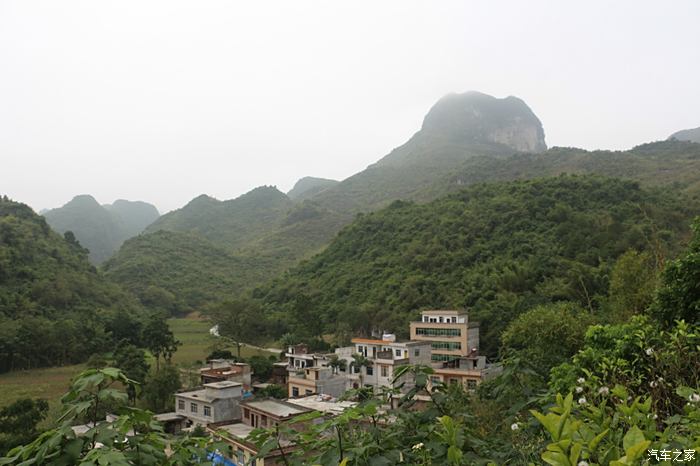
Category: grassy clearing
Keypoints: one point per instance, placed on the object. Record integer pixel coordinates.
(52, 382)
(197, 342)
(48, 383)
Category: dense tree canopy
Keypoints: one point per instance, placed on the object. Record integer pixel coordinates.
(495, 249)
(55, 308)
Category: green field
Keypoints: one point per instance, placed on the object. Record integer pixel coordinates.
(48, 383)
(51, 383)
(197, 342)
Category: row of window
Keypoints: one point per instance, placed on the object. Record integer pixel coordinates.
(439, 332)
(295, 392)
(443, 357)
(446, 345)
(440, 320)
(471, 383)
(194, 408)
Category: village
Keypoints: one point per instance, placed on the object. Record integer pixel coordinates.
(229, 406)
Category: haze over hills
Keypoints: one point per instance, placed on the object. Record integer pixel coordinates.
(465, 139)
(101, 228)
(309, 186)
(692, 135)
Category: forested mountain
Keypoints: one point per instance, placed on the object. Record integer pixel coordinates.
(231, 224)
(55, 308)
(692, 135)
(101, 228)
(495, 249)
(465, 139)
(178, 272)
(309, 186)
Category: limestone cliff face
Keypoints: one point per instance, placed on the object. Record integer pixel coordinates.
(479, 118)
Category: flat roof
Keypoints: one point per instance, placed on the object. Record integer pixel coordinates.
(171, 416)
(445, 311)
(371, 341)
(223, 384)
(275, 407)
(316, 403)
(238, 430)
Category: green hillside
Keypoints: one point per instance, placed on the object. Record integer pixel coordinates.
(465, 139)
(230, 224)
(178, 272)
(495, 249)
(55, 308)
(101, 229)
(309, 186)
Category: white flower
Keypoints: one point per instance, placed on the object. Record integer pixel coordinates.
(418, 446)
(649, 351)
(582, 400)
(603, 390)
(653, 384)
(694, 398)
(579, 389)
(660, 379)
(582, 463)
(514, 426)
(581, 380)
(655, 416)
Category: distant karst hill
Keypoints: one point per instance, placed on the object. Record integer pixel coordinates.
(309, 186)
(692, 135)
(464, 139)
(101, 228)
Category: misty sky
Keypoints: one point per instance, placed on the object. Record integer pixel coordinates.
(163, 100)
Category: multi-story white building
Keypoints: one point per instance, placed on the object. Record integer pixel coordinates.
(384, 356)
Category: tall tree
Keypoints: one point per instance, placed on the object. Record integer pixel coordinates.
(159, 339)
(238, 320)
(18, 422)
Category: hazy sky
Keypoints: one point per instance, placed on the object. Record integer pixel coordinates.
(164, 100)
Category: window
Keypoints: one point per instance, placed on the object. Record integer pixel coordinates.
(416, 352)
(207, 411)
(384, 371)
(451, 345)
(435, 379)
(369, 370)
(263, 421)
(440, 319)
(241, 456)
(398, 353)
(454, 319)
(246, 413)
(295, 391)
(439, 332)
(355, 370)
(308, 392)
(471, 384)
(454, 380)
(193, 407)
(443, 357)
(181, 405)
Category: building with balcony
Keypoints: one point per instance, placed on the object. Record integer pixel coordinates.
(384, 356)
(316, 381)
(449, 332)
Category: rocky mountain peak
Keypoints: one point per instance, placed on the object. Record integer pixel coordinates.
(474, 117)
